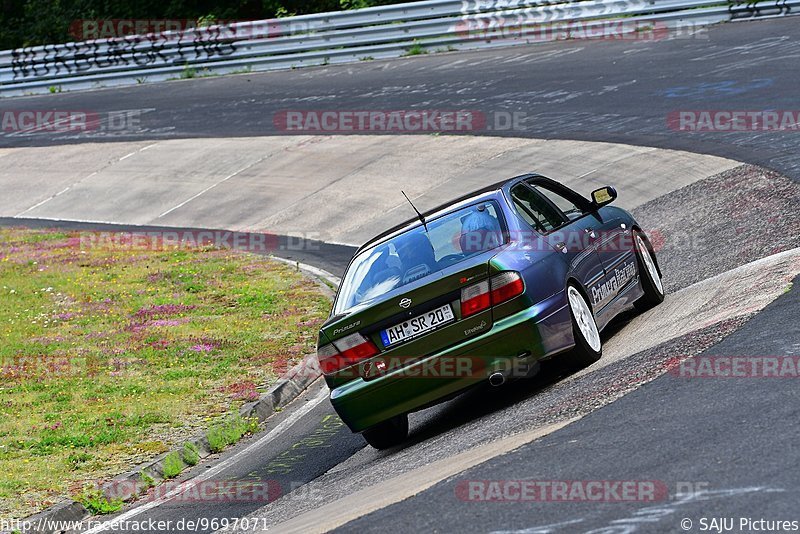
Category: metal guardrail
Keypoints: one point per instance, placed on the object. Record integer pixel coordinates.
(348, 36)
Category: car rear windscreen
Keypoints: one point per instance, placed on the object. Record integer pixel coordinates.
(418, 253)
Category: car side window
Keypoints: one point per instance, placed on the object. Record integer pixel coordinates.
(570, 209)
(536, 209)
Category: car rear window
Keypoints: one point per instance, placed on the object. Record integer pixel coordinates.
(418, 253)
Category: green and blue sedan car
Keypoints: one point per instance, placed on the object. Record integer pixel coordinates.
(479, 289)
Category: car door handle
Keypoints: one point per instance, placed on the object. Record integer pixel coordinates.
(562, 247)
(590, 231)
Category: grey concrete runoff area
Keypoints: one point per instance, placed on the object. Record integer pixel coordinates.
(302, 185)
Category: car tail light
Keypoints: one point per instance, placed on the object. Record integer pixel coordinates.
(475, 298)
(328, 358)
(506, 286)
(497, 289)
(345, 352)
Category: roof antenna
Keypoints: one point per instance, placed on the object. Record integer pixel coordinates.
(421, 218)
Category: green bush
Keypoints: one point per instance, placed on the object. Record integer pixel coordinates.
(229, 432)
(173, 465)
(190, 454)
(147, 480)
(38, 22)
(97, 503)
(415, 50)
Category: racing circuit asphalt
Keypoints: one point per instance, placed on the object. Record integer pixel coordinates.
(728, 445)
(723, 435)
(613, 91)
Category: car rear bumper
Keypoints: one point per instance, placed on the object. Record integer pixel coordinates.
(510, 346)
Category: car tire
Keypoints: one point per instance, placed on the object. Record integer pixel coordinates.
(648, 275)
(588, 347)
(387, 434)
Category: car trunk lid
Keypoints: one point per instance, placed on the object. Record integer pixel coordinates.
(434, 302)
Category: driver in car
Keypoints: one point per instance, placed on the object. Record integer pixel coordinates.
(416, 256)
(480, 231)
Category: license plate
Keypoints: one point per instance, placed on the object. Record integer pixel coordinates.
(417, 326)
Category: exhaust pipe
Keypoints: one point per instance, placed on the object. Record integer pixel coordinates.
(497, 379)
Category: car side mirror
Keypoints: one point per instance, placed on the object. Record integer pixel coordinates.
(604, 195)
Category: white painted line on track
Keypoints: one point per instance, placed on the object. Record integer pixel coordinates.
(209, 188)
(126, 156)
(45, 201)
(281, 427)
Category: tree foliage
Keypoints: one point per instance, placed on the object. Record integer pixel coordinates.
(37, 22)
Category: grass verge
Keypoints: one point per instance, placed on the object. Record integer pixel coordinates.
(109, 357)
